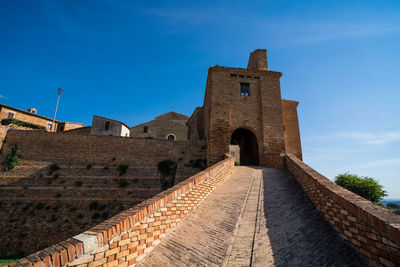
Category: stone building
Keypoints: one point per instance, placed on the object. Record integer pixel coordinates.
(243, 107)
(29, 116)
(170, 126)
(109, 127)
(67, 126)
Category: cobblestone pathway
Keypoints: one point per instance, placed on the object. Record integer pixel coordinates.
(256, 217)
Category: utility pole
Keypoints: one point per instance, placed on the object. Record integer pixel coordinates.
(59, 91)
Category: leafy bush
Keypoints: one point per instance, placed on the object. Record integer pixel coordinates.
(122, 169)
(11, 159)
(237, 163)
(17, 122)
(167, 167)
(123, 183)
(94, 205)
(197, 164)
(393, 205)
(366, 187)
(39, 206)
(53, 168)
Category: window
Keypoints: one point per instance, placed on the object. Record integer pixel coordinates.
(107, 126)
(171, 137)
(145, 129)
(244, 89)
(49, 126)
(233, 154)
(10, 115)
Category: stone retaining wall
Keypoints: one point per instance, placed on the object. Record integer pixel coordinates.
(372, 230)
(70, 148)
(127, 237)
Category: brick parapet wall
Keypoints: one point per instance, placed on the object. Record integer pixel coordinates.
(81, 149)
(127, 237)
(372, 230)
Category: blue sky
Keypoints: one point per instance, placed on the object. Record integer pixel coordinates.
(133, 60)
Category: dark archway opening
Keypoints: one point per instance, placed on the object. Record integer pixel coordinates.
(247, 143)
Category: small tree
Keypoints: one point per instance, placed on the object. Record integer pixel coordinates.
(366, 187)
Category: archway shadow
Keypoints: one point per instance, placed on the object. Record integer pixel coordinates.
(247, 141)
(298, 234)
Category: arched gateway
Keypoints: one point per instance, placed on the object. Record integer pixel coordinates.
(237, 99)
(248, 146)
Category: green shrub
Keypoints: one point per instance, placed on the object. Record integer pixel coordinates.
(11, 159)
(39, 206)
(237, 163)
(167, 167)
(94, 205)
(17, 122)
(123, 183)
(365, 187)
(122, 169)
(53, 168)
(197, 164)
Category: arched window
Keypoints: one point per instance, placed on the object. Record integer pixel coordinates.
(171, 137)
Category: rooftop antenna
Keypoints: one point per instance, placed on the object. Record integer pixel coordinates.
(59, 91)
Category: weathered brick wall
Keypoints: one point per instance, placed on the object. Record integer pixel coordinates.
(127, 237)
(292, 131)
(81, 131)
(372, 230)
(71, 148)
(196, 124)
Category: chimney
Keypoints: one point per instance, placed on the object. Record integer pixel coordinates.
(32, 110)
(258, 60)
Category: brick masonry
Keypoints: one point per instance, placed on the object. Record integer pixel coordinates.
(372, 230)
(83, 149)
(226, 109)
(127, 237)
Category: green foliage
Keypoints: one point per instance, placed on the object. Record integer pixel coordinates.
(123, 183)
(167, 167)
(53, 168)
(237, 163)
(393, 205)
(17, 122)
(366, 187)
(11, 159)
(198, 164)
(94, 205)
(122, 169)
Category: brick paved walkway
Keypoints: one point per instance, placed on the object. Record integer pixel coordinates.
(256, 217)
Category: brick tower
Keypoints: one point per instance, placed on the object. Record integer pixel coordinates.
(243, 107)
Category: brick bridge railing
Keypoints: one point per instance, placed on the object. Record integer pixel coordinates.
(127, 237)
(373, 231)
